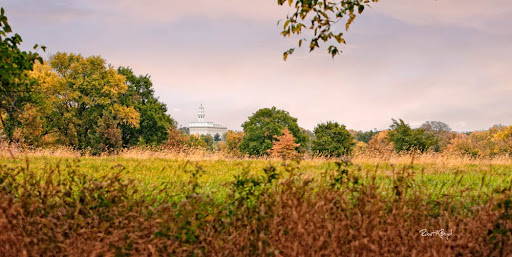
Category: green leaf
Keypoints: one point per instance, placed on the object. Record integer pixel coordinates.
(360, 9)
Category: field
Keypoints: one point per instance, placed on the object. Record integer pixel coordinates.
(143, 203)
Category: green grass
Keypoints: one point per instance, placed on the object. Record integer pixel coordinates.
(214, 177)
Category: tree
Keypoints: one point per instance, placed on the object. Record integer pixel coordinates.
(436, 126)
(263, 126)
(380, 144)
(195, 141)
(406, 139)
(15, 84)
(185, 130)
(81, 102)
(333, 140)
(365, 136)
(284, 146)
(496, 141)
(154, 121)
(209, 142)
(217, 137)
(441, 131)
(310, 136)
(320, 18)
(233, 141)
(177, 139)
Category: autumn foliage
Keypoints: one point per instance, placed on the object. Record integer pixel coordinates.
(284, 147)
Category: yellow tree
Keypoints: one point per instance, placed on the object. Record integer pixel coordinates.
(233, 141)
(79, 99)
(284, 146)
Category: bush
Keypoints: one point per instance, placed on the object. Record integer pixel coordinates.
(333, 140)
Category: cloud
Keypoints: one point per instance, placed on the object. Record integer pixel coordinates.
(490, 15)
(420, 60)
(52, 11)
(174, 10)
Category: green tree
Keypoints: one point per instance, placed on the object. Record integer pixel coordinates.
(262, 128)
(154, 120)
(365, 136)
(319, 20)
(209, 142)
(87, 109)
(333, 140)
(15, 84)
(406, 139)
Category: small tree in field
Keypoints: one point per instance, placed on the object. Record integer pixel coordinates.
(233, 140)
(406, 139)
(261, 129)
(285, 147)
(332, 139)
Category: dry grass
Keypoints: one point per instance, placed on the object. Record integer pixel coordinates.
(67, 212)
(194, 154)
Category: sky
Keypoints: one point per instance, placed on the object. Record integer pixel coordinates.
(421, 60)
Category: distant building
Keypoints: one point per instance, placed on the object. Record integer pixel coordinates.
(203, 127)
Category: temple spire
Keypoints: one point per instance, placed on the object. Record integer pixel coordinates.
(201, 115)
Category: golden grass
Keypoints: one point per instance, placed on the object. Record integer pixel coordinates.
(437, 159)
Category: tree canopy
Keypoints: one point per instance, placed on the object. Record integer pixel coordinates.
(15, 85)
(261, 129)
(154, 122)
(406, 139)
(85, 103)
(332, 139)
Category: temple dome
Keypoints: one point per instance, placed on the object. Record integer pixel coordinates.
(203, 127)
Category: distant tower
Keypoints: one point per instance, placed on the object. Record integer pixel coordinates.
(201, 115)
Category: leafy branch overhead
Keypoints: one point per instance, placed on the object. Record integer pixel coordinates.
(319, 18)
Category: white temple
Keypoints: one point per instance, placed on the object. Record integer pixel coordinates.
(203, 127)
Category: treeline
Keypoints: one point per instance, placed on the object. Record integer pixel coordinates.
(88, 105)
(274, 132)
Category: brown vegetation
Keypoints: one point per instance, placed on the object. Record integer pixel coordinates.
(64, 212)
(285, 147)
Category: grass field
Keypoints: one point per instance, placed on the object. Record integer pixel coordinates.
(163, 204)
(214, 176)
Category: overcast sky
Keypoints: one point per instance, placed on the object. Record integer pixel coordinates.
(446, 60)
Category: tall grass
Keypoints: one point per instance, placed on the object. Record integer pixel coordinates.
(97, 206)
